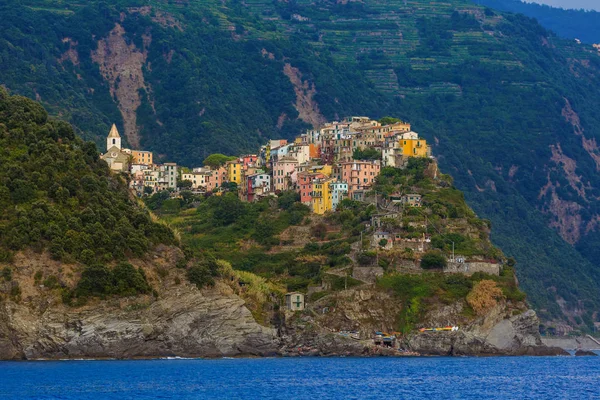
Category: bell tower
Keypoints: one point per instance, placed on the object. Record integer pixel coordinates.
(113, 139)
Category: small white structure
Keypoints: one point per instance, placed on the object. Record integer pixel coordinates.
(294, 301)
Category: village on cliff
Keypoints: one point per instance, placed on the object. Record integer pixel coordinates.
(325, 166)
(337, 161)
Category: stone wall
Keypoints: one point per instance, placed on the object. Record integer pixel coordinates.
(469, 268)
(367, 274)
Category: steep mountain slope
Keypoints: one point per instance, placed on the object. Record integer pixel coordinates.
(571, 24)
(512, 109)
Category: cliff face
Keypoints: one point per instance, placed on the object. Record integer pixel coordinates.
(180, 321)
(496, 333)
(186, 322)
(368, 310)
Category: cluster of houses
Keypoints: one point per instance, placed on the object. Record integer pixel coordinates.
(318, 164)
(145, 176)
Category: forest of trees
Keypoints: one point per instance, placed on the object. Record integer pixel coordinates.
(57, 194)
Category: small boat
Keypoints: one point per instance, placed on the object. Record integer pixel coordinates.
(448, 328)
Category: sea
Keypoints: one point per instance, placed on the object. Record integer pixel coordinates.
(306, 378)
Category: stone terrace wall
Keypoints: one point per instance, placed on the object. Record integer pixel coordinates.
(469, 268)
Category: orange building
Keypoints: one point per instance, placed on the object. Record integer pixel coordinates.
(141, 157)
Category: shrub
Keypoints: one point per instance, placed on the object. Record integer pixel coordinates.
(122, 280)
(51, 282)
(6, 274)
(433, 260)
(366, 258)
(202, 274)
(319, 231)
(484, 296)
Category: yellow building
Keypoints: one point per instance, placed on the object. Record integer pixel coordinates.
(321, 196)
(414, 147)
(141, 157)
(234, 171)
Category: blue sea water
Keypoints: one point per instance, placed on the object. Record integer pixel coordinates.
(306, 378)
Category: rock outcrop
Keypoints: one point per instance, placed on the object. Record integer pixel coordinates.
(177, 320)
(180, 320)
(494, 334)
(580, 353)
(184, 322)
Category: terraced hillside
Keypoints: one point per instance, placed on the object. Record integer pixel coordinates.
(511, 109)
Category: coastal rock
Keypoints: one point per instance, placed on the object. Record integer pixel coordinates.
(184, 322)
(585, 353)
(493, 334)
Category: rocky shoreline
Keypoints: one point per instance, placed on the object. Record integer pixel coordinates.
(182, 321)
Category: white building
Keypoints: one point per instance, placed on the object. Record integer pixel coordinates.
(294, 301)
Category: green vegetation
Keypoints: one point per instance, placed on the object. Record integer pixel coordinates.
(433, 260)
(56, 194)
(366, 154)
(253, 237)
(100, 281)
(217, 160)
(202, 273)
(487, 89)
(418, 292)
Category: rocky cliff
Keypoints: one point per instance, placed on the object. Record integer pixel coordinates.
(178, 320)
(507, 329)
(496, 333)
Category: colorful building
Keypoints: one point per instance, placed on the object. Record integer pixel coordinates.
(339, 192)
(256, 185)
(305, 186)
(142, 157)
(234, 171)
(359, 175)
(414, 147)
(284, 173)
(321, 196)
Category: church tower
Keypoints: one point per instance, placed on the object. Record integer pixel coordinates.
(113, 139)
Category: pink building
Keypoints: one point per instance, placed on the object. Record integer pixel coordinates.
(305, 186)
(284, 173)
(249, 159)
(358, 174)
(216, 179)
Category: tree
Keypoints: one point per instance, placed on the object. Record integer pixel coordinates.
(366, 154)
(319, 231)
(389, 120)
(433, 260)
(484, 296)
(217, 160)
(227, 209)
(286, 200)
(383, 242)
(185, 184)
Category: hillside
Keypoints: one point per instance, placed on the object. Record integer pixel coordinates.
(570, 24)
(87, 273)
(512, 109)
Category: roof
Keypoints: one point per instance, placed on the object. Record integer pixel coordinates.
(287, 159)
(291, 293)
(114, 133)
